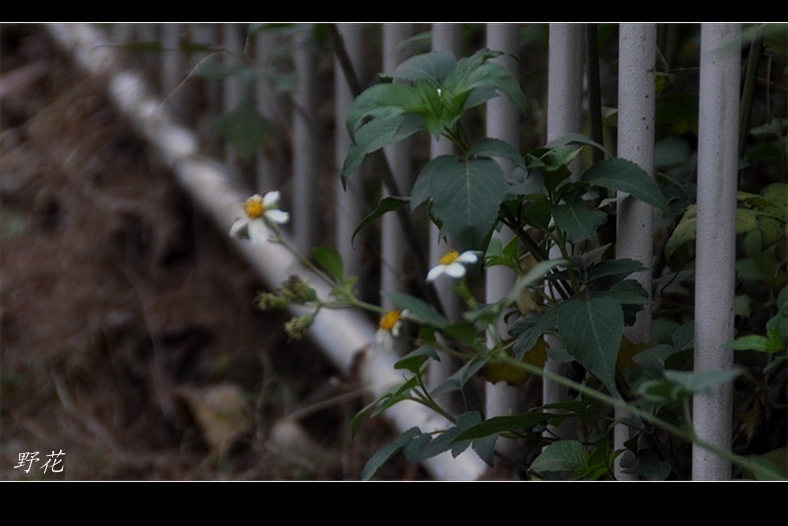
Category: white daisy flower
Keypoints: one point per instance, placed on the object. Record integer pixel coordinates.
(259, 209)
(453, 264)
(389, 327)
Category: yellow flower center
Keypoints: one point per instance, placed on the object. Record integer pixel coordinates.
(449, 258)
(389, 320)
(254, 207)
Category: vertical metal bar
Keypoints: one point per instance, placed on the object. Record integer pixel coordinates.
(716, 238)
(305, 146)
(233, 90)
(268, 177)
(635, 219)
(350, 202)
(503, 119)
(564, 115)
(172, 68)
(393, 247)
(445, 37)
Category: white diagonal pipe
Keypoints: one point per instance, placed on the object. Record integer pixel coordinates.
(343, 335)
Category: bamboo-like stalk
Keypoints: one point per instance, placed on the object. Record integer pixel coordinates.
(345, 336)
(635, 219)
(715, 273)
(503, 120)
(564, 115)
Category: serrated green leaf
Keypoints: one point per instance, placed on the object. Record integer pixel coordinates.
(575, 219)
(434, 66)
(485, 448)
(382, 101)
(377, 134)
(466, 196)
(591, 331)
(387, 204)
(489, 147)
(565, 455)
(383, 454)
(502, 424)
(457, 381)
(625, 176)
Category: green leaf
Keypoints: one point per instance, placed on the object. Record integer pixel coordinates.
(501, 424)
(329, 259)
(755, 342)
(615, 268)
(456, 381)
(386, 452)
(526, 340)
(483, 79)
(679, 111)
(387, 204)
(377, 134)
(575, 219)
(395, 395)
(434, 66)
(382, 101)
(777, 473)
(625, 176)
(466, 196)
(446, 440)
(488, 147)
(591, 331)
(571, 139)
(485, 448)
(702, 382)
(679, 385)
(245, 128)
(746, 220)
(422, 311)
(565, 455)
(414, 360)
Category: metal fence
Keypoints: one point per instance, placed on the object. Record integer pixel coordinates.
(277, 86)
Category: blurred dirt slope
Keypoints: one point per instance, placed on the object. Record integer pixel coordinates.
(125, 317)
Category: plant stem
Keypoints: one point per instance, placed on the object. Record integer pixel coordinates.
(688, 435)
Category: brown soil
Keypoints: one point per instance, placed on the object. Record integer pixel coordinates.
(130, 340)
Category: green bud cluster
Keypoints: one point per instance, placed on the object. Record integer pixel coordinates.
(296, 327)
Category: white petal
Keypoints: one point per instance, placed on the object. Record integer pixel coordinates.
(277, 216)
(383, 339)
(470, 256)
(435, 272)
(237, 230)
(455, 270)
(270, 198)
(257, 231)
